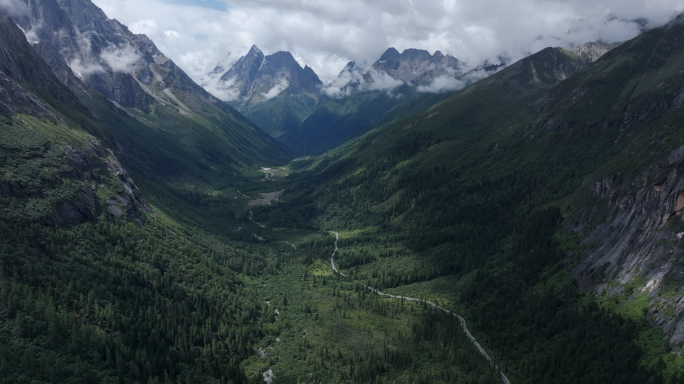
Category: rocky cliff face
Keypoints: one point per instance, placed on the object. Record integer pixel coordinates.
(101, 52)
(274, 91)
(127, 68)
(256, 78)
(594, 50)
(45, 161)
(635, 245)
(628, 212)
(20, 63)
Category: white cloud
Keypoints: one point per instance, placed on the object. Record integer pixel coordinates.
(144, 27)
(442, 84)
(326, 34)
(13, 7)
(120, 59)
(381, 81)
(81, 69)
(30, 35)
(172, 34)
(222, 89)
(343, 84)
(275, 91)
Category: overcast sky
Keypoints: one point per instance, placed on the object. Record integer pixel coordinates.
(197, 34)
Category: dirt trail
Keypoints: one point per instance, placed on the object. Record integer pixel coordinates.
(462, 320)
(252, 220)
(433, 305)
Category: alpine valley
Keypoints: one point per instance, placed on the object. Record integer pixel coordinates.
(416, 220)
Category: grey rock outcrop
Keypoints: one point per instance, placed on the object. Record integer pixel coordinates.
(242, 74)
(127, 68)
(594, 50)
(20, 64)
(639, 240)
(417, 66)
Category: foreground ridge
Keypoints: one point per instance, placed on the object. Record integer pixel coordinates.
(462, 320)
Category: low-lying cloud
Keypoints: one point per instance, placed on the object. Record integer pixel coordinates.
(13, 7)
(363, 78)
(275, 91)
(120, 59)
(442, 84)
(328, 34)
(222, 89)
(82, 69)
(381, 81)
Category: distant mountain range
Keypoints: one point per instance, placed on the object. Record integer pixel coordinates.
(279, 95)
(274, 91)
(93, 55)
(151, 233)
(292, 104)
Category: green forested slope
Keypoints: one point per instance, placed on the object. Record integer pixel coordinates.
(341, 119)
(479, 188)
(338, 120)
(126, 256)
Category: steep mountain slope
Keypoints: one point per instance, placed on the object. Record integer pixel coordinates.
(628, 211)
(341, 119)
(76, 240)
(273, 91)
(129, 70)
(103, 283)
(552, 165)
(361, 95)
(169, 128)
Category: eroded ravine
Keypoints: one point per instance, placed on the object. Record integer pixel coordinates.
(461, 319)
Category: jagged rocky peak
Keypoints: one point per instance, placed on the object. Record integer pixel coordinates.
(106, 56)
(241, 74)
(283, 66)
(417, 66)
(255, 74)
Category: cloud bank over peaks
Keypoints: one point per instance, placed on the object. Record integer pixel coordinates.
(212, 83)
(328, 34)
(223, 90)
(350, 78)
(413, 67)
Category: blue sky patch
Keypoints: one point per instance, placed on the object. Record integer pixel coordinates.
(213, 4)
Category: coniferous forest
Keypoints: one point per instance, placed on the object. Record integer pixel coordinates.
(523, 229)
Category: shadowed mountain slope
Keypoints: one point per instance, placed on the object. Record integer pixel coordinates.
(554, 174)
(274, 91)
(173, 129)
(342, 119)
